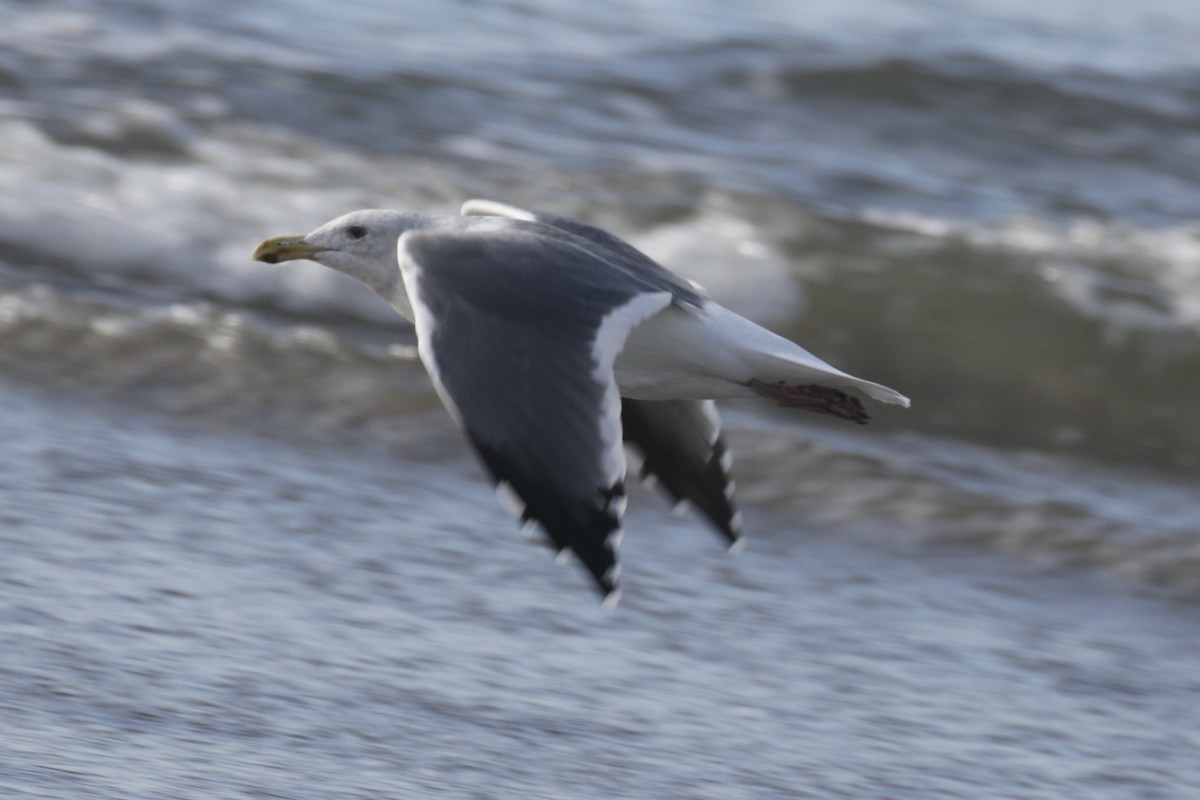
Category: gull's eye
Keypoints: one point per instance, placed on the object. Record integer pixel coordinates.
(356, 231)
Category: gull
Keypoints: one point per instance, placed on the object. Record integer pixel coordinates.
(554, 345)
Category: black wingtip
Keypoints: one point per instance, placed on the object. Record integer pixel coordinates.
(606, 579)
(586, 526)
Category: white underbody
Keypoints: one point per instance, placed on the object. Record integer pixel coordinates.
(713, 353)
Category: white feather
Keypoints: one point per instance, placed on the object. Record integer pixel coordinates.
(491, 208)
(712, 353)
(610, 339)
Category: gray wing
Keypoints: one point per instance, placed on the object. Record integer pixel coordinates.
(616, 250)
(519, 332)
(682, 448)
(679, 440)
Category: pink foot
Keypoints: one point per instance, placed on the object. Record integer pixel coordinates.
(821, 399)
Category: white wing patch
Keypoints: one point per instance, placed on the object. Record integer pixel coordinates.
(610, 340)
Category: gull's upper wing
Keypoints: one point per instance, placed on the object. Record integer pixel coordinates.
(519, 331)
(679, 440)
(619, 252)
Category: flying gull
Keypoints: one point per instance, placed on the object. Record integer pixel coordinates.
(552, 343)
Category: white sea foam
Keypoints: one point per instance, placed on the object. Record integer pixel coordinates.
(193, 223)
(1130, 277)
(731, 258)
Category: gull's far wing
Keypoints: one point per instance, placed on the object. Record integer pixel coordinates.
(682, 449)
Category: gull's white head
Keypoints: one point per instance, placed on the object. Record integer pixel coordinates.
(361, 244)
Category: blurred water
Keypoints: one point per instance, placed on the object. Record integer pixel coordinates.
(247, 555)
(182, 621)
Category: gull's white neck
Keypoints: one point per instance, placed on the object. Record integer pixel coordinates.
(397, 298)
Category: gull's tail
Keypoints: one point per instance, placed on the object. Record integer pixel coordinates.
(775, 362)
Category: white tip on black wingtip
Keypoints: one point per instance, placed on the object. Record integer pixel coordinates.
(738, 546)
(610, 601)
(614, 539)
(509, 498)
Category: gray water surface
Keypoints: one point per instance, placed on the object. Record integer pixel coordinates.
(180, 620)
(244, 552)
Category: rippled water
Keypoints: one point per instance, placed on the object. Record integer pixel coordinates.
(184, 621)
(245, 552)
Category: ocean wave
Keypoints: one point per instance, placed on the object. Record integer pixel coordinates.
(1011, 241)
(805, 117)
(210, 367)
(1001, 344)
(188, 227)
(1128, 276)
(1047, 509)
(1068, 335)
(215, 367)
